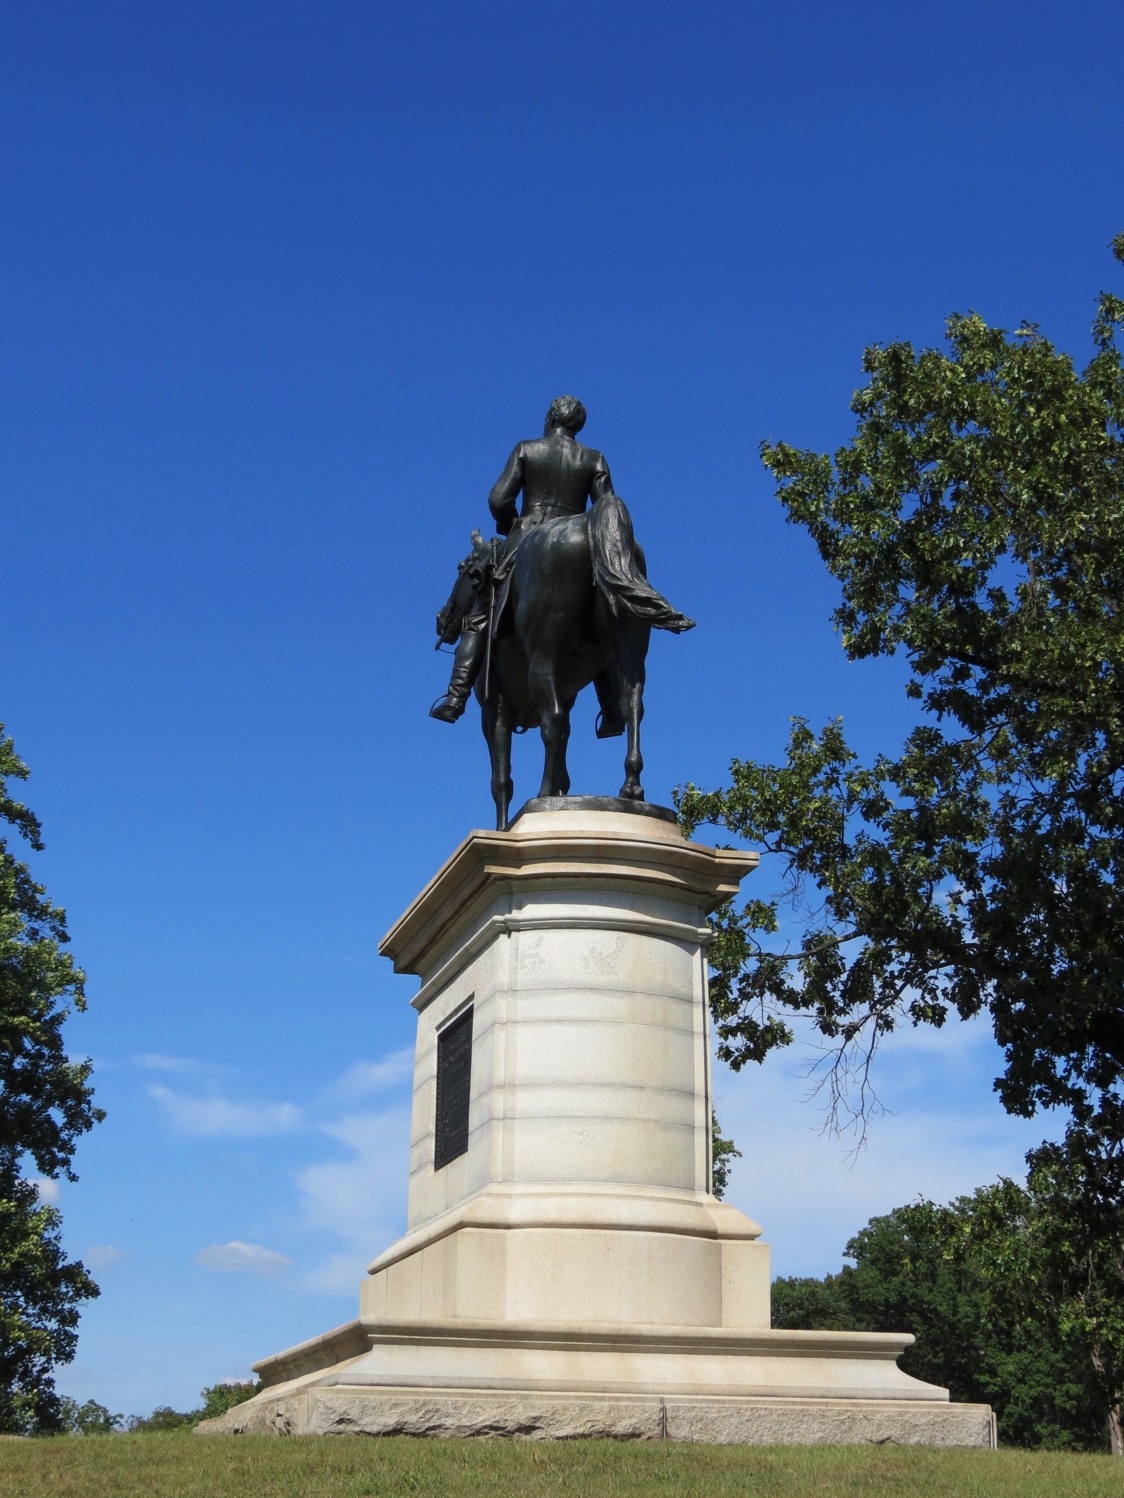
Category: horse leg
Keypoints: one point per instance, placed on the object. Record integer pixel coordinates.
(562, 773)
(630, 648)
(555, 725)
(496, 724)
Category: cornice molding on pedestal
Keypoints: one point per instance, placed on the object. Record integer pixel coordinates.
(490, 863)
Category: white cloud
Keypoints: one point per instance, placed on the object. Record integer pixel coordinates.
(181, 1064)
(103, 1256)
(354, 1200)
(360, 1198)
(944, 1134)
(376, 1076)
(339, 1274)
(218, 1117)
(48, 1190)
(246, 1258)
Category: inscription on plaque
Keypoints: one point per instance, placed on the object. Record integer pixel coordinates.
(454, 1079)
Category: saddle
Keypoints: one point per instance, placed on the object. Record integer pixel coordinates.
(619, 571)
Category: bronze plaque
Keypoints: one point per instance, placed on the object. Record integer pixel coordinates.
(454, 1080)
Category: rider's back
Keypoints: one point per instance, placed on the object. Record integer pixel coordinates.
(557, 475)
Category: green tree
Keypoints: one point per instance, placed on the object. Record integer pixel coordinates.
(45, 1106)
(1054, 1254)
(723, 1152)
(88, 1419)
(944, 1274)
(217, 1399)
(976, 524)
(162, 1419)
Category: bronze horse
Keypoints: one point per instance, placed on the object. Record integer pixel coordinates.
(570, 605)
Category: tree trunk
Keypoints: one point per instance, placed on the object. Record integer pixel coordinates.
(1115, 1431)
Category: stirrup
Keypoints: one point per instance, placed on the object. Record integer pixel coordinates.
(602, 732)
(453, 710)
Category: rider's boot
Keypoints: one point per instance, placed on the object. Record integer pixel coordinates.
(466, 667)
(610, 720)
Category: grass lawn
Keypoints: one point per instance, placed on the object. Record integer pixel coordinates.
(183, 1466)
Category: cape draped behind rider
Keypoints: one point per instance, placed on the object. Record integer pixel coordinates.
(558, 476)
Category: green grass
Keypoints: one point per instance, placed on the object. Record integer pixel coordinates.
(185, 1466)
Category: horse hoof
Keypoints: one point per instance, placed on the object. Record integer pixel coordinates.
(631, 793)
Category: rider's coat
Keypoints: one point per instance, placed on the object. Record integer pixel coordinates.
(558, 476)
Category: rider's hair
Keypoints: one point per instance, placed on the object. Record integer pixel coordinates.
(567, 411)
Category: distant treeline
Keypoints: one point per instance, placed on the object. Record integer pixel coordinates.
(94, 1419)
(997, 1320)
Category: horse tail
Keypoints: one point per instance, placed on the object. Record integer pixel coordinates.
(618, 569)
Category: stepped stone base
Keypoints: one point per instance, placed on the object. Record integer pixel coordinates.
(344, 1410)
(452, 1378)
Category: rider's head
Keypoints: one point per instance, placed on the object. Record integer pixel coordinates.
(566, 412)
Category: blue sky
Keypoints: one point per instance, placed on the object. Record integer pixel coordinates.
(281, 285)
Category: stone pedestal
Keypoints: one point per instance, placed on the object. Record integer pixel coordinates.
(566, 1269)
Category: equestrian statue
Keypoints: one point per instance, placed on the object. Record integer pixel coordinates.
(558, 599)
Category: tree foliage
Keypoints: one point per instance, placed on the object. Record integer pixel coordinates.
(1015, 1294)
(217, 1399)
(41, 1292)
(948, 1275)
(45, 1106)
(94, 1419)
(975, 523)
(723, 1153)
(1054, 1253)
(87, 1419)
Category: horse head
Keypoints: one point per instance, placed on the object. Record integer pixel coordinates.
(471, 576)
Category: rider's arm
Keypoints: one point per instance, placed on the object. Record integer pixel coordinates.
(601, 483)
(502, 499)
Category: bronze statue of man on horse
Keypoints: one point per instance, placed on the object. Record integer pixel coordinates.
(562, 602)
